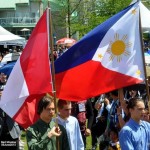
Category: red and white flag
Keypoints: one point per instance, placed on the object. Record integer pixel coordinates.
(30, 78)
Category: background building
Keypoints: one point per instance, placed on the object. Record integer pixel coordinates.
(21, 16)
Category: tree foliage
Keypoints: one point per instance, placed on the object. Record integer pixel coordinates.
(84, 15)
(146, 3)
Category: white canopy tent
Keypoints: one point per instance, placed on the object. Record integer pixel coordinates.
(8, 38)
(145, 17)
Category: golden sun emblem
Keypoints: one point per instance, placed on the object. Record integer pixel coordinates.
(118, 48)
(100, 56)
(134, 11)
(138, 72)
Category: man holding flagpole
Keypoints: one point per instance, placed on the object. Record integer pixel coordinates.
(42, 135)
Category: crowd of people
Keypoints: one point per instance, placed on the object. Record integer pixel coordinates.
(59, 50)
(118, 123)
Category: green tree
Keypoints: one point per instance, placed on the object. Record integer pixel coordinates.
(95, 12)
(84, 15)
(146, 3)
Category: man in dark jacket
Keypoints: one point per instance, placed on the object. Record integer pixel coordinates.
(83, 111)
(9, 129)
(42, 135)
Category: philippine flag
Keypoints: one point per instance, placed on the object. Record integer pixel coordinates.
(109, 57)
(30, 78)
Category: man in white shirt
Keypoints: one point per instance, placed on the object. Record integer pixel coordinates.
(71, 124)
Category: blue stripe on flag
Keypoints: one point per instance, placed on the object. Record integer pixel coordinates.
(84, 49)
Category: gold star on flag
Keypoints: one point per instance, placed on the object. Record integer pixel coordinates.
(100, 56)
(134, 11)
(138, 72)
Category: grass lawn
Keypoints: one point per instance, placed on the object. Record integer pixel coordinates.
(88, 143)
(88, 146)
(23, 138)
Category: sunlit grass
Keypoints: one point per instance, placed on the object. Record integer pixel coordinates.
(23, 138)
(88, 142)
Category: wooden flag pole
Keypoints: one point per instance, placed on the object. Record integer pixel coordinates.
(52, 58)
(144, 64)
(52, 67)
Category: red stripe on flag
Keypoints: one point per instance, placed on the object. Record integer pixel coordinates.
(35, 59)
(27, 114)
(35, 66)
(88, 80)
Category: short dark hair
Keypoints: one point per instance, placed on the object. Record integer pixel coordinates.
(43, 103)
(133, 101)
(115, 130)
(61, 103)
(115, 92)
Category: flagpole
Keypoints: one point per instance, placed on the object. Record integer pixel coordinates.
(52, 67)
(52, 56)
(142, 47)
